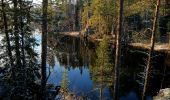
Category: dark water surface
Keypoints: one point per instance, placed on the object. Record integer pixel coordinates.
(72, 60)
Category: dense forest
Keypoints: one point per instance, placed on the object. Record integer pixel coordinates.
(84, 49)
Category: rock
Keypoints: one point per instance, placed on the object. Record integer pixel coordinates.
(66, 95)
(52, 92)
(57, 88)
(164, 94)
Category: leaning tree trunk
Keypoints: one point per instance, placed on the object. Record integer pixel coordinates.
(118, 51)
(7, 35)
(148, 68)
(44, 49)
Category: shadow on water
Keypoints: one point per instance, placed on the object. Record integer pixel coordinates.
(86, 78)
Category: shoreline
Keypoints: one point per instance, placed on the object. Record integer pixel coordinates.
(159, 47)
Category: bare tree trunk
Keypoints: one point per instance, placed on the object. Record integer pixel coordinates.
(77, 15)
(101, 81)
(44, 49)
(101, 84)
(118, 51)
(7, 35)
(148, 68)
(101, 91)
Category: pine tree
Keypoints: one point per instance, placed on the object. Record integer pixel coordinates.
(44, 49)
(98, 16)
(102, 69)
(118, 50)
(65, 81)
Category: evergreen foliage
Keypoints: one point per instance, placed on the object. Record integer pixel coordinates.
(65, 81)
(103, 67)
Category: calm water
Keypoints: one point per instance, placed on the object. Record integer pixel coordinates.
(73, 59)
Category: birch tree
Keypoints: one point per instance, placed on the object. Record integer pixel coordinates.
(152, 44)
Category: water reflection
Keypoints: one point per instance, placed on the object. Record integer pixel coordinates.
(102, 70)
(65, 81)
(75, 59)
(86, 73)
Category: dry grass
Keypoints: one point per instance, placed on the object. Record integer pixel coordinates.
(158, 46)
(74, 34)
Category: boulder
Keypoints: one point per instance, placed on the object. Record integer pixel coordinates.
(164, 94)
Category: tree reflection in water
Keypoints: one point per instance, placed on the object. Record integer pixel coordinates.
(89, 70)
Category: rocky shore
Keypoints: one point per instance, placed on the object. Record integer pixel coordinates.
(164, 94)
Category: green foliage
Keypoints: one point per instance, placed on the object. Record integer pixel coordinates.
(98, 16)
(103, 66)
(66, 18)
(51, 57)
(137, 7)
(19, 77)
(103, 54)
(51, 12)
(65, 81)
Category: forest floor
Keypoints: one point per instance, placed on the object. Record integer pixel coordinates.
(74, 34)
(160, 47)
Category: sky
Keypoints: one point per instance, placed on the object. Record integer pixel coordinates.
(37, 1)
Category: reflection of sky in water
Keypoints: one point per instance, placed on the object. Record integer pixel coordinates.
(37, 36)
(80, 84)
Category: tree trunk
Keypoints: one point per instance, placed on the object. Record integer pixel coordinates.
(101, 83)
(7, 35)
(118, 51)
(101, 75)
(22, 33)
(77, 16)
(148, 68)
(16, 34)
(44, 49)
